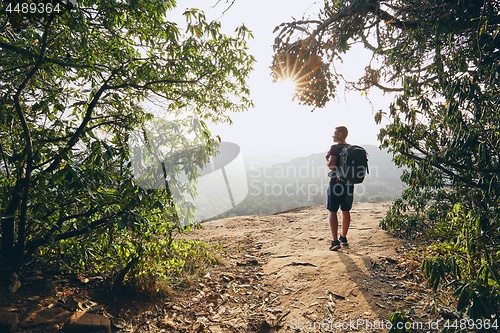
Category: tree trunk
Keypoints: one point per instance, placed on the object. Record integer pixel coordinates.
(8, 224)
(118, 282)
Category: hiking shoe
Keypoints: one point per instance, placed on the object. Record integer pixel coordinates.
(343, 241)
(335, 245)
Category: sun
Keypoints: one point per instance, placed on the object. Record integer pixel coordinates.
(300, 65)
(288, 87)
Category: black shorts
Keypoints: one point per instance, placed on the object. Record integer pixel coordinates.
(339, 195)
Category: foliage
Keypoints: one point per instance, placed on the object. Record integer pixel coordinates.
(442, 59)
(399, 322)
(466, 255)
(302, 63)
(74, 86)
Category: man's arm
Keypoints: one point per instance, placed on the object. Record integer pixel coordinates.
(332, 162)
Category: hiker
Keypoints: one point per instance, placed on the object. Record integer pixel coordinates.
(339, 194)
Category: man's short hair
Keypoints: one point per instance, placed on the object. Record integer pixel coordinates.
(342, 130)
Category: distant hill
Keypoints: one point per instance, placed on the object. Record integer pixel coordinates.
(303, 181)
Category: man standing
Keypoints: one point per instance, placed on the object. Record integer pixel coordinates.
(339, 194)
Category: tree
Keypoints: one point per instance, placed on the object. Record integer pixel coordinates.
(441, 58)
(75, 83)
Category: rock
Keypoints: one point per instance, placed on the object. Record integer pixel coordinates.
(48, 319)
(83, 322)
(8, 322)
(14, 283)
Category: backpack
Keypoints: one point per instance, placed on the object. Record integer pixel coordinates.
(353, 165)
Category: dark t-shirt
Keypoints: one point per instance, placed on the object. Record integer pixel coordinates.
(335, 150)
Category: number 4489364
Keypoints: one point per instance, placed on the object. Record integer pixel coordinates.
(471, 324)
(32, 8)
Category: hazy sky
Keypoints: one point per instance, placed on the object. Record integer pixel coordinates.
(277, 125)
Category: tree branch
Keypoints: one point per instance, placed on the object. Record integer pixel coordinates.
(21, 236)
(439, 165)
(36, 243)
(79, 131)
(355, 9)
(65, 63)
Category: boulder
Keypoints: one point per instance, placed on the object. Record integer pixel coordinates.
(84, 322)
(48, 319)
(8, 321)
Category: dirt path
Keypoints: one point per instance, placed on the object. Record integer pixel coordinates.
(307, 287)
(276, 275)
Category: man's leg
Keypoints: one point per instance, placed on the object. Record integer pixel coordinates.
(334, 228)
(333, 207)
(334, 224)
(345, 206)
(346, 222)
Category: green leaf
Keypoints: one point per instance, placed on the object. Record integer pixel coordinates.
(463, 298)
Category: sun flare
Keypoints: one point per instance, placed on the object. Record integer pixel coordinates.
(288, 87)
(300, 65)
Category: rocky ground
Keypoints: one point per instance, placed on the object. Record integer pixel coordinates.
(278, 276)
